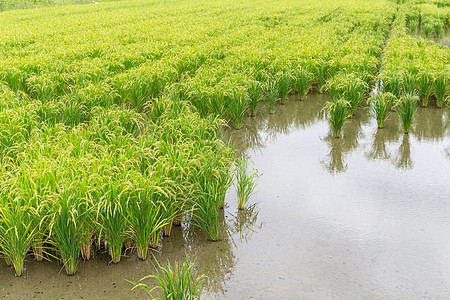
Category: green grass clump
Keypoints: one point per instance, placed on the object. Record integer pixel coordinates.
(381, 104)
(272, 93)
(284, 79)
(425, 85)
(338, 113)
(406, 108)
(245, 182)
(441, 88)
(255, 94)
(237, 106)
(302, 82)
(178, 282)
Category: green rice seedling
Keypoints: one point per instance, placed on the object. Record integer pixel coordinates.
(406, 108)
(381, 104)
(255, 94)
(302, 82)
(237, 106)
(271, 89)
(425, 85)
(245, 182)
(338, 112)
(284, 79)
(177, 282)
(409, 82)
(145, 217)
(67, 230)
(16, 234)
(441, 88)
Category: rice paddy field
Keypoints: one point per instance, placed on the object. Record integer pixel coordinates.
(124, 128)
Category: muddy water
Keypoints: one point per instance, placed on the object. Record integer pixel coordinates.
(363, 217)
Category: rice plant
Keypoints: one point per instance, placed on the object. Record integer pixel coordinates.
(409, 82)
(302, 82)
(112, 222)
(145, 217)
(393, 84)
(245, 182)
(425, 85)
(338, 113)
(441, 88)
(284, 79)
(381, 104)
(16, 234)
(237, 106)
(271, 89)
(255, 93)
(406, 108)
(68, 229)
(175, 282)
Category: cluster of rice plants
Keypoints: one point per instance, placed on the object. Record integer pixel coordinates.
(179, 281)
(406, 108)
(381, 104)
(338, 112)
(245, 182)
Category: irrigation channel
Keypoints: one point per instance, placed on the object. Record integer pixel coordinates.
(362, 217)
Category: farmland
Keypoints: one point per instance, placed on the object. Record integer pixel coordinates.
(112, 113)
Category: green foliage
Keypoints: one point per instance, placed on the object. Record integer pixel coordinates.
(338, 113)
(406, 108)
(381, 104)
(178, 282)
(245, 182)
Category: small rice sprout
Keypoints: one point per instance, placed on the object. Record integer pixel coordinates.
(237, 106)
(425, 85)
(409, 82)
(175, 282)
(441, 88)
(255, 94)
(338, 113)
(284, 85)
(245, 182)
(381, 104)
(302, 83)
(406, 108)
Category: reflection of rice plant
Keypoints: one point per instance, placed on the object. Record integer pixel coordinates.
(425, 84)
(245, 182)
(255, 94)
(406, 108)
(441, 87)
(177, 282)
(302, 83)
(381, 103)
(338, 112)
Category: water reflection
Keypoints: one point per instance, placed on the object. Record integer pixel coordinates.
(403, 159)
(256, 132)
(378, 148)
(431, 124)
(335, 160)
(245, 222)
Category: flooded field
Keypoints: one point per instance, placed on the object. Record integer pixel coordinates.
(363, 217)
